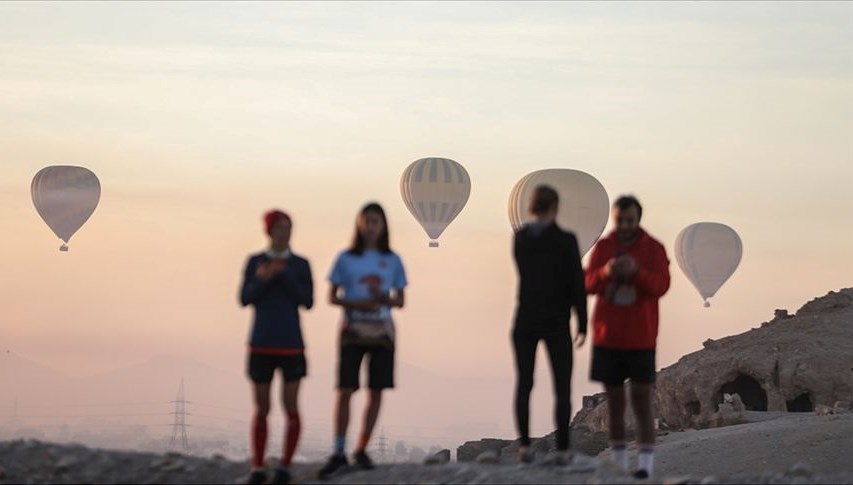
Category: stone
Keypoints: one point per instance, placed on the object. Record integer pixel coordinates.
(677, 480)
(800, 469)
(822, 410)
(470, 450)
(488, 458)
(737, 403)
(66, 462)
(439, 458)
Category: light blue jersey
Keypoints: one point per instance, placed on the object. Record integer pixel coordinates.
(360, 276)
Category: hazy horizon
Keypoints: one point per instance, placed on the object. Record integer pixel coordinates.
(197, 118)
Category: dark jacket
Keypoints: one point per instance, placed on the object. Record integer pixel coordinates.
(551, 279)
(277, 301)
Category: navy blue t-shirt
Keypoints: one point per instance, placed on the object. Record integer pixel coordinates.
(277, 301)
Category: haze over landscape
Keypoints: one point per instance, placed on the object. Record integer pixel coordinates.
(197, 118)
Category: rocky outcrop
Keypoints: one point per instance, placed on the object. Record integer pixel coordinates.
(582, 439)
(794, 363)
(791, 363)
(470, 450)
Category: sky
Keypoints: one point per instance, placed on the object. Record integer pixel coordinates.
(198, 117)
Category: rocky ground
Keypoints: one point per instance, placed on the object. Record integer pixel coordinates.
(782, 448)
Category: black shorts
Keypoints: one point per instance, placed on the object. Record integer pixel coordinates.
(613, 366)
(262, 367)
(380, 366)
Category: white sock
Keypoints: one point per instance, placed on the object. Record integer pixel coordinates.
(646, 460)
(619, 454)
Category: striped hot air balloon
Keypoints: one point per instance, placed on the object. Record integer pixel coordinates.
(435, 190)
(65, 197)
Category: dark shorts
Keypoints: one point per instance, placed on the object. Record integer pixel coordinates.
(262, 367)
(380, 368)
(613, 366)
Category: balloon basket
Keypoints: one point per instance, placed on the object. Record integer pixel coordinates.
(63, 248)
(433, 244)
(707, 304)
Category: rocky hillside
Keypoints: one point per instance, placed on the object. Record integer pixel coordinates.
(792, 363)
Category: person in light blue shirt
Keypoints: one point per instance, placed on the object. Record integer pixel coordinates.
(368, 280)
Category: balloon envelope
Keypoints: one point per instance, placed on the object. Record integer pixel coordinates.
(435, 190)
(65, 197)
(584, 204)
(708, 253)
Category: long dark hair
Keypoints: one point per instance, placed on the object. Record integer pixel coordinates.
(383, 244)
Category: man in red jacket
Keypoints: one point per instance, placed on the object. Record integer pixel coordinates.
(628, 272)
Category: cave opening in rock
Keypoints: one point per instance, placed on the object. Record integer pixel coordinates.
(802, 404)
(693, 407)
(750, 391)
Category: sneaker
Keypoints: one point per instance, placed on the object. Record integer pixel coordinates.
(257, 477)
(641, 474)
(281, 476)
(363, 461)
(335, 464)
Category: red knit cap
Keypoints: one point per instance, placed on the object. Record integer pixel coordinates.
(273, 216)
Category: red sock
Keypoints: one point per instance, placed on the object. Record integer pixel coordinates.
(294, 427)
(363, 439)
(259, 440)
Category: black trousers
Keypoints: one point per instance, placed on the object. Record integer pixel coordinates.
(559, 346)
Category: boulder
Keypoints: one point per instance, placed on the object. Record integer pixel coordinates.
(470, 450)
(822, 410)
(439, 458)
(489, 457)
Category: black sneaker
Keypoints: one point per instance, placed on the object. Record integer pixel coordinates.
(363, 461)
(257, 477)
(335, 463)
(281, 476)
(641, 474)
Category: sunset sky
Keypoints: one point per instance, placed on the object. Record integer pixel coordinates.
(198, 117)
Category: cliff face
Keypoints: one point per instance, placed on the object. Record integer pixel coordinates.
(793, 363)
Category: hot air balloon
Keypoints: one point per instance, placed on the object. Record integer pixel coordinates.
(708, 254)
(435, 190)
(584, 204)
(65, 197)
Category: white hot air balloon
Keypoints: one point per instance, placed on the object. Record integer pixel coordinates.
(584, 205)
(708, 254)
(65, 197)
(435, 190)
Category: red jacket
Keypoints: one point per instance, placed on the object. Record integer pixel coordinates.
(633, 326)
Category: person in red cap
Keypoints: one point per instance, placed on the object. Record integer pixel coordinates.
(276, 283)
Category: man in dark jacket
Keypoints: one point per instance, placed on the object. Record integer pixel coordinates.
(276, 282)
(551, 283)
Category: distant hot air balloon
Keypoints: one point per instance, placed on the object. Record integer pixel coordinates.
(708, 254)
(435, 190)
(584, 205)
(65, 197)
